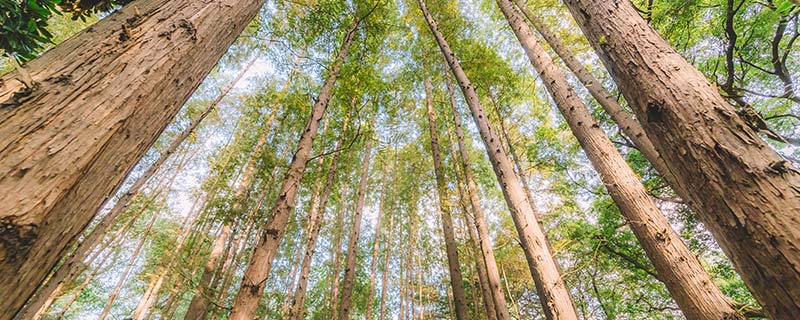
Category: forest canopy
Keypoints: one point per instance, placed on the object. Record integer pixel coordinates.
(399, 159)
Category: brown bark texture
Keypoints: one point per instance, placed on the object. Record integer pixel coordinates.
(95, 105)
(376, 246)
(744, 192)
(681, 272)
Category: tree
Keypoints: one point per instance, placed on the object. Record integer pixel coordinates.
(456, 280)
(484, 241)
(258, 268)
(316, 215)
(552, 290)
(746, 191)
(352, 242)
(74, 163)
(690, 285)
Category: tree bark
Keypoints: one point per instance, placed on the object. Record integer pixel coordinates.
(553, 293)
(316, 215)
(94, 106)
(626, 123)
(70, 267)
(456, 280)
(749, 195)
(687, 281)
(485, 242)
(258, 268)
(348, 282)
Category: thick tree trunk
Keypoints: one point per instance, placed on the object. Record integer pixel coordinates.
(553, 292)
(747, 194)
(687, 281)
(348, 282)
(258, 268)
(456, 280)
(485, 242)
(70, 267)
(376, 246)
(96, 104)
(315, 217)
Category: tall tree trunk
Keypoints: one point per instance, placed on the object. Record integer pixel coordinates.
(258, 268)
(348, 282)
(336, 250)
(241, 245)
(456, 280)
(687, 281)
(485, 242)
(556, 300)
(198, 307)
(143, 309)
(70, 267)
(70, 142)
(316, 215)
(129, 266)
(387, 258)
(626, 123)
(376, 247)
(749, 195)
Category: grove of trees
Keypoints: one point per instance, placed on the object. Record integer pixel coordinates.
(406, 159)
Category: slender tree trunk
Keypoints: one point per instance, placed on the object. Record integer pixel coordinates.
(387, 262)
(241, 244)
(143, 309)
(70, 142)
(348, 282)
(315, 217)
(487, 251)
(129, 266)
(335, 252)
(556, 300)
(687, 281)
(198, 307)
(510, 296)
(749, 195)
(258, 268)
(626, 123)
(456, 280)
(71, 266)
(376, 247)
